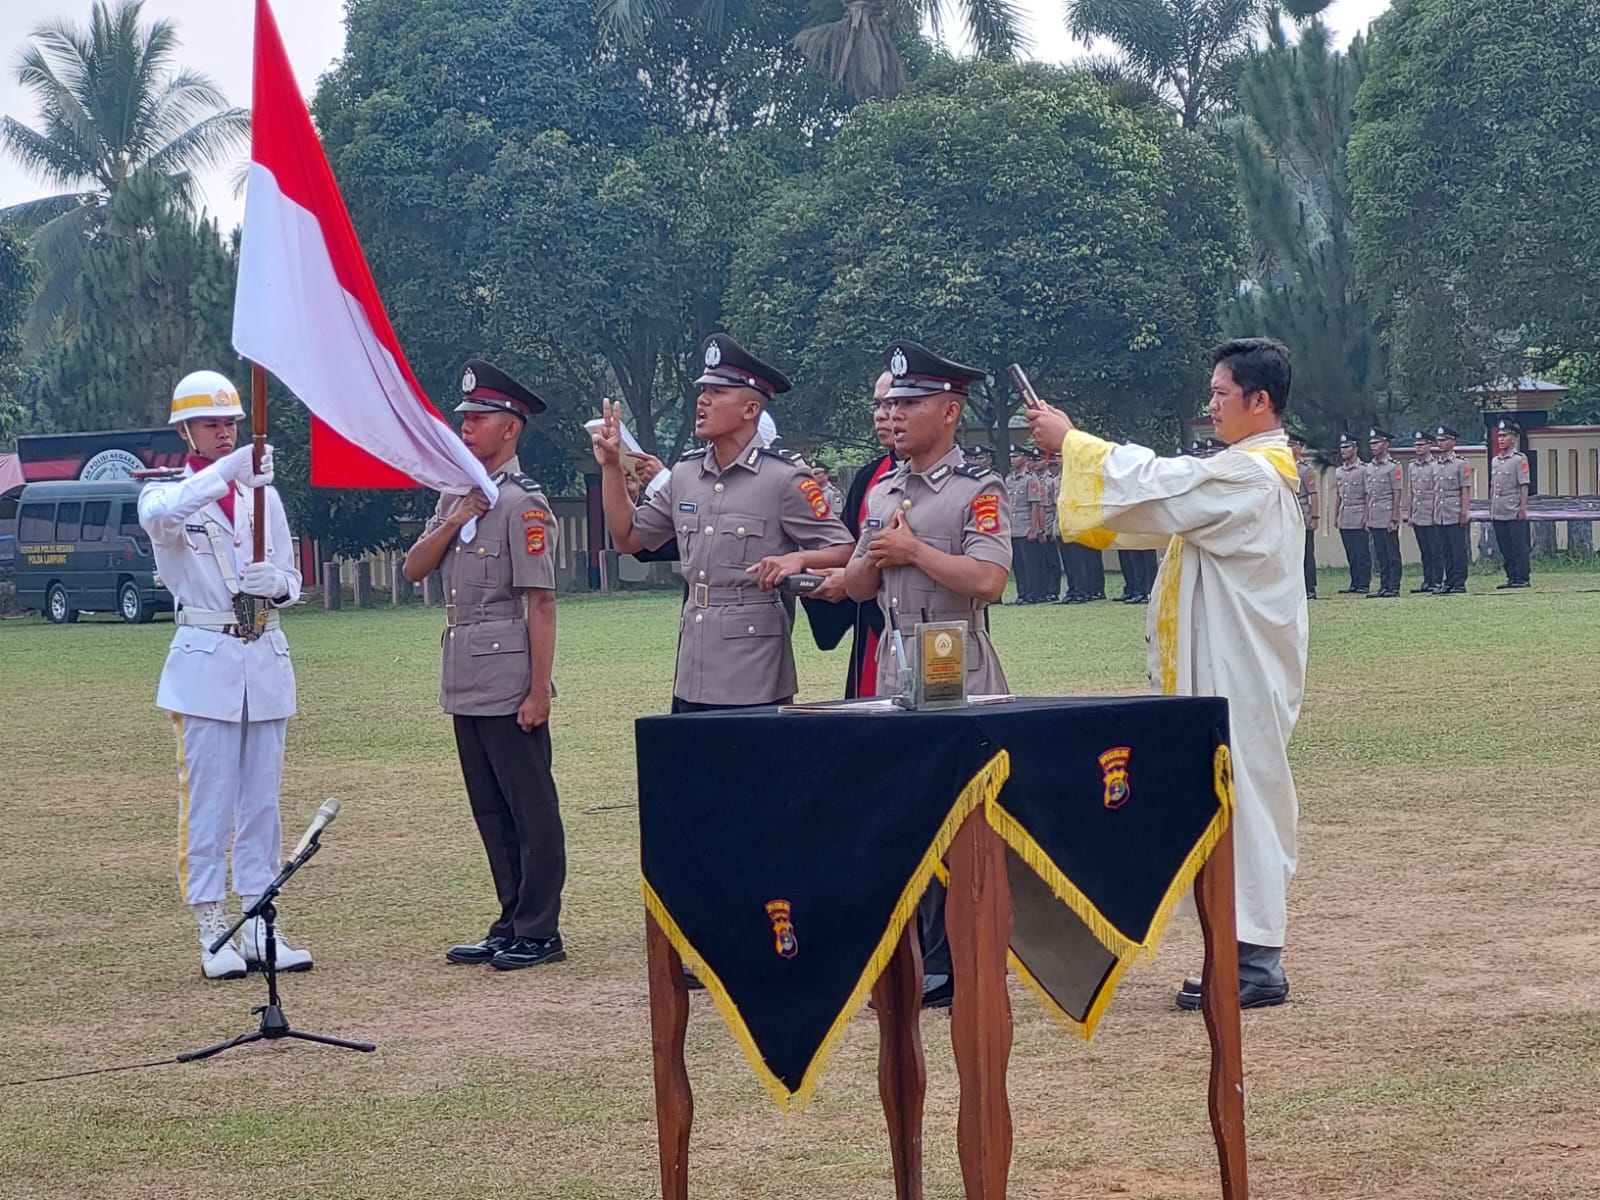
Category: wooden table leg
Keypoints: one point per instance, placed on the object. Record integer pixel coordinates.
(1219, 993)
(978, 919)
(902, 1071)
(669, 1018)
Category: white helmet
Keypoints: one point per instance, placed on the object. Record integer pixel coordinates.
(204, 394)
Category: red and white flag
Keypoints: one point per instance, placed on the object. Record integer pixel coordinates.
(307, 309)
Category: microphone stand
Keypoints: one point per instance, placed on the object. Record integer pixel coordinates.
(274, 1024)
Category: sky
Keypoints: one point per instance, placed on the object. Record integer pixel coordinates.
(215, 37)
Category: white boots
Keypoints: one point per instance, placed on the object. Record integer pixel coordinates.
(228, 962)
(253, 940)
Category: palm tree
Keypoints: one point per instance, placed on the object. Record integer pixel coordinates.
(1189, 50)
(111, 105)
(856, 41)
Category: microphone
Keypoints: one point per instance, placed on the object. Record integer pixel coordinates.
(324, 818)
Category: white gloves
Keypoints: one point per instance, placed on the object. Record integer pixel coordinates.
(264, 580)
(239, 466)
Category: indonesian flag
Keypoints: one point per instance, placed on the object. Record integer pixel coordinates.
(307, 309)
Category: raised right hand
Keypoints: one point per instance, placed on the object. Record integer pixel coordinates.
(607, 440)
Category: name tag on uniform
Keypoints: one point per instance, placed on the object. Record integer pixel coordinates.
(874, 523)
(687, 506)
(194, 528)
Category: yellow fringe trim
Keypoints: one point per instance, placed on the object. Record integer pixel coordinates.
(1124, 948)
(981, 790)
(1169, 591)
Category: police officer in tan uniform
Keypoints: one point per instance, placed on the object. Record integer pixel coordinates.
(1422, 489)
(1385, 499)
(1451, 512)
(1508, 506)
(936, 546)
(1310, 509)
(499, 641)
(1350, 513)
(746, 517)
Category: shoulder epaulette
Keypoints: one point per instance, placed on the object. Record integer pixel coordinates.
(976, 472)
(688, 454)
(791, 457)
(525, 482)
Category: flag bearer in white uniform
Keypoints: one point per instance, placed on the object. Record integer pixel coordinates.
(229, 688)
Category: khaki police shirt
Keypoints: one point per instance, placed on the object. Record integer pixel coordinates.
(1454, 475)
(733, 639)
(1052, 515)
(487, 672)
(1424, 492)
(1508, 475)
(1350, 487)
(1385, 492)
(956, 509)
(1016, 486)
(1308, 488)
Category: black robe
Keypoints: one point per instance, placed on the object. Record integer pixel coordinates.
(830, 621)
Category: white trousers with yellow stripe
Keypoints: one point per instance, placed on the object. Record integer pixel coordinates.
(229, 773)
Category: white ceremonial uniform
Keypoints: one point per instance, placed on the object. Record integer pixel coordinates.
(230, 699)
(1228, 618)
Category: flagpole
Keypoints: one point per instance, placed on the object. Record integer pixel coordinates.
(258, 436)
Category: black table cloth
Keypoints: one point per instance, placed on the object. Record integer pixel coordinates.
(783, 853)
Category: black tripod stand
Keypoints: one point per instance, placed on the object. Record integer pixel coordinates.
(273, 1023)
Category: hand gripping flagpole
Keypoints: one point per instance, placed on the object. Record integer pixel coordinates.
(258, 436)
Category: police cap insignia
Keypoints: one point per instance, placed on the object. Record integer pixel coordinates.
(486, 388)
(897, 362)
(728, 364)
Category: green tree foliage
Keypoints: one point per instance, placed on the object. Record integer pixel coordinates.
(565, 211)
(112, 105)
(998, 213)
(153, 301)
(19, 277)
(1188, 50)
(1476, 173)
(868, 47)
(1297, 106)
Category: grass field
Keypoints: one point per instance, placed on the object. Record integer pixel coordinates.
(1442, 1041)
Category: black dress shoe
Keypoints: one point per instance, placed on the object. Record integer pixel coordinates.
(1251, 995)
(529, 952)
(1417, 590)
(1313, 595)
(478, 952)
(692, 981)
(940, 994)
(1500, 587)
(1522, 583)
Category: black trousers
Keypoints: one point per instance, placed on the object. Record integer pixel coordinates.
(1022, 567)
(1386, 558)
(1453, 553)
(1311, 563)
(1046, 568)
(1358, 553)
(1514, 540)
(513, 798)
(1428, 544)
(1086, 571)
(1138, 571)
(931, 931)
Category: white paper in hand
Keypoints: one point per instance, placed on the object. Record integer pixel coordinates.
(630, 444)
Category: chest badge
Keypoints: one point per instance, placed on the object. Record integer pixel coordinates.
(687, 506)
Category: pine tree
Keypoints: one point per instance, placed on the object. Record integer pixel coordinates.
(1297, 115)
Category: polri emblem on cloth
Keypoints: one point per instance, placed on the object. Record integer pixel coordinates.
(713, 355)
(812, 491)
(1114, 766)
(897, 363)
(784, 943)
(536, 539)
(986, 509)
(469, 381)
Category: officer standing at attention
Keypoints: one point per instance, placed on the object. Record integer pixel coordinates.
(1016, 483)
(499, 642)
(229, 687)
(1385, 499)
(1422, 487)
(936, 546)
(746, 518)
(833, 495)
(1350, 514)
(1508, 506)
(1310, 505)
(1452, 514)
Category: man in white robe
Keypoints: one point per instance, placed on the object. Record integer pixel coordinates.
(1228, 616)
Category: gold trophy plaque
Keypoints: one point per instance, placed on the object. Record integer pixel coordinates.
(940, 679)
